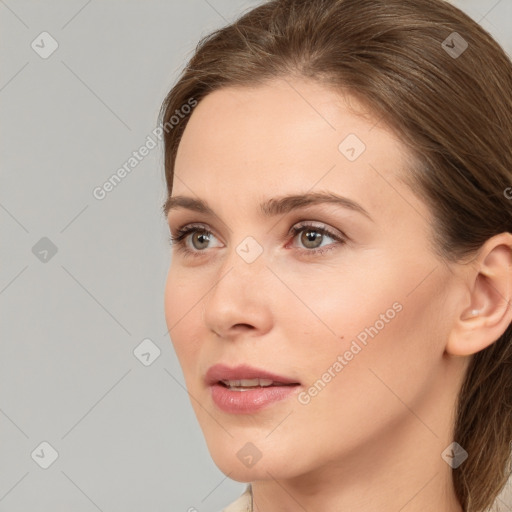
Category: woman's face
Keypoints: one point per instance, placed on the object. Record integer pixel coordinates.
(351, 311)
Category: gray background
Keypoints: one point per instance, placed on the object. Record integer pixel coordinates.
(125, 433)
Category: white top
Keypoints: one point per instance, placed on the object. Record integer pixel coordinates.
(242, 504)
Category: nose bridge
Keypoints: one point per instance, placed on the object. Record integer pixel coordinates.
(242, 268)
(237, 294)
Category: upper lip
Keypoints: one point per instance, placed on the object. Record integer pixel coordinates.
(220, 372)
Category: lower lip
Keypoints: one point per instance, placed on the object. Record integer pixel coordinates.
(250, 401)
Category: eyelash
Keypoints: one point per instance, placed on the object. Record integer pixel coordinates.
(180, 239)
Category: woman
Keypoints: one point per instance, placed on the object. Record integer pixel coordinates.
(338, 178)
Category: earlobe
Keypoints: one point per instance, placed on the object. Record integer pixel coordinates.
(489, 312)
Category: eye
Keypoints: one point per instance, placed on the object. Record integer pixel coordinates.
(312, 237)
(199, 237)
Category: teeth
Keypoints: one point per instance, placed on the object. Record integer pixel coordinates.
(244, 384)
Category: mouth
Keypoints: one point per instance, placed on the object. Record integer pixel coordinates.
(246, 384)
(244, 376)
(246, 390)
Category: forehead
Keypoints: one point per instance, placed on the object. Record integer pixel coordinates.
(278, 115)
(282, 137)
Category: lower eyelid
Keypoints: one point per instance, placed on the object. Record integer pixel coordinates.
(322, 249)
(180, 240)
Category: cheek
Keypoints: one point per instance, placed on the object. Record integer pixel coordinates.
(375, 331)
(363, 393)
(182, 314)
(337, 303)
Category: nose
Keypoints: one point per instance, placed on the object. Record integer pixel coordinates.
(239, 298)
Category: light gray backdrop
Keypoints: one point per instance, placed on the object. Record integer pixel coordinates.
(86, 366)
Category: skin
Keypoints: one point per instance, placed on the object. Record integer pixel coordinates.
(372, 438)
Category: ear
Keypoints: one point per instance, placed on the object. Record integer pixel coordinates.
(489, 312)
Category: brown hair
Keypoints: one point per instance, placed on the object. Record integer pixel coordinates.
(453, 110)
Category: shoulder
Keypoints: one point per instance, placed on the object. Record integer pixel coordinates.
(242, 504)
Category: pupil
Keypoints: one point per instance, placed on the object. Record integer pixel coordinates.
(312, 236)
(201, 237)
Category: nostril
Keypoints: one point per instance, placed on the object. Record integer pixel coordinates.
(243, 326)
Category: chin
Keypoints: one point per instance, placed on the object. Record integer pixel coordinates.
(243, 462)
(245, 451)
(262, 470)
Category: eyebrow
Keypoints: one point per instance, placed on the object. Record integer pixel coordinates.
(272, 207)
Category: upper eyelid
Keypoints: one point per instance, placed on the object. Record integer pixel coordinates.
(334, 233)
(299, 223)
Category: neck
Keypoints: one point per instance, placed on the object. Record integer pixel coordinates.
(409, 481)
